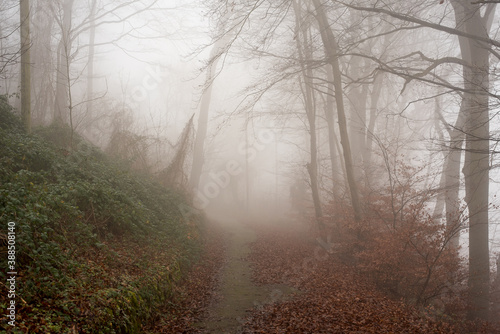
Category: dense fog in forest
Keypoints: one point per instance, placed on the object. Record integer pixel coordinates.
(371, 125)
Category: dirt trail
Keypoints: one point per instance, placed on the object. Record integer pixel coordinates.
(237, 293)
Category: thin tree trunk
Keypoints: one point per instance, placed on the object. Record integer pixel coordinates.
(63, 53)
(452, 178)
(437, 214)
(43, 68)
(305, 55)
(25, 64)
(357, 97)
(331, 50)
(201, 132)
(375, 94)
(332, 138)
(90, 66)
(374, 97)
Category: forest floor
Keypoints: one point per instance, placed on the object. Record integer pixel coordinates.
(238, 293)
(262, 279)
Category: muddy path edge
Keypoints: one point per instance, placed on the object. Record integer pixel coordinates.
(237, 293)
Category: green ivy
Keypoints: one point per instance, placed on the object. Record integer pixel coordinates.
(76, 213)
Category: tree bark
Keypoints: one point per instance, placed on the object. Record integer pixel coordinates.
(332, 53)
(476, 165)
(25, 64)
(61, 109)
(305, 55)
(332, 137)
(374, 97)
(43, 66)
(452, 178)
(357, 97)
(90, 66)
(201, 132)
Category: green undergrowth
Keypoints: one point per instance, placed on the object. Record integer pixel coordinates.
(99, 247)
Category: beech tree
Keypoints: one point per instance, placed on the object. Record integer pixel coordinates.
(475, 106)
(305, 57)
(332, 53)
(472, 31)
(468, 132)
(217, 52)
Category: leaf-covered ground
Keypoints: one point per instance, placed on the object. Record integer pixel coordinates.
(196, 292)
(334, 299)
(308, 291)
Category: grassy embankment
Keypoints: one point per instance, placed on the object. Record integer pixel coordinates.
(99, 247)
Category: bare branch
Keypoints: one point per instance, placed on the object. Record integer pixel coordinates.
(424, 23)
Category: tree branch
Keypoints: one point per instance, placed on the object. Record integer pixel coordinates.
(431, 25)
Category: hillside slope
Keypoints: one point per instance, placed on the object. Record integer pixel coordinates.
(98, 248)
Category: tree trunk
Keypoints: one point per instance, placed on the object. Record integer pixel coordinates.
(25, 64)
(448, 197)
(61, 110)
(374, 97)
(332, 137)
(305, 55)
(476, 164)
(331, 50)
(90, 66)
(476, 174)
(43, 67)
(357, 97)
(201, 132)
(452, 178)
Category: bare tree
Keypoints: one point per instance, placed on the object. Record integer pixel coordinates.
(90, 65)
(25, 64)
(332, 52)
(302, 38)
(42, 59)
(174, 175)
(476, 46)
(71, 31)
(476, 165)
(217, 52)
(63, 80)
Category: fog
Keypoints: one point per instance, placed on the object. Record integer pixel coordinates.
(317, 112)
(149, 69)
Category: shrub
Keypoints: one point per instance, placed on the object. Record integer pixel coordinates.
(398, 244)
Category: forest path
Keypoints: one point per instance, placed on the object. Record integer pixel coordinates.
(237, 294)
(275, 278)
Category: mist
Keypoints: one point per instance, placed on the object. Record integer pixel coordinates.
(369, 128)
